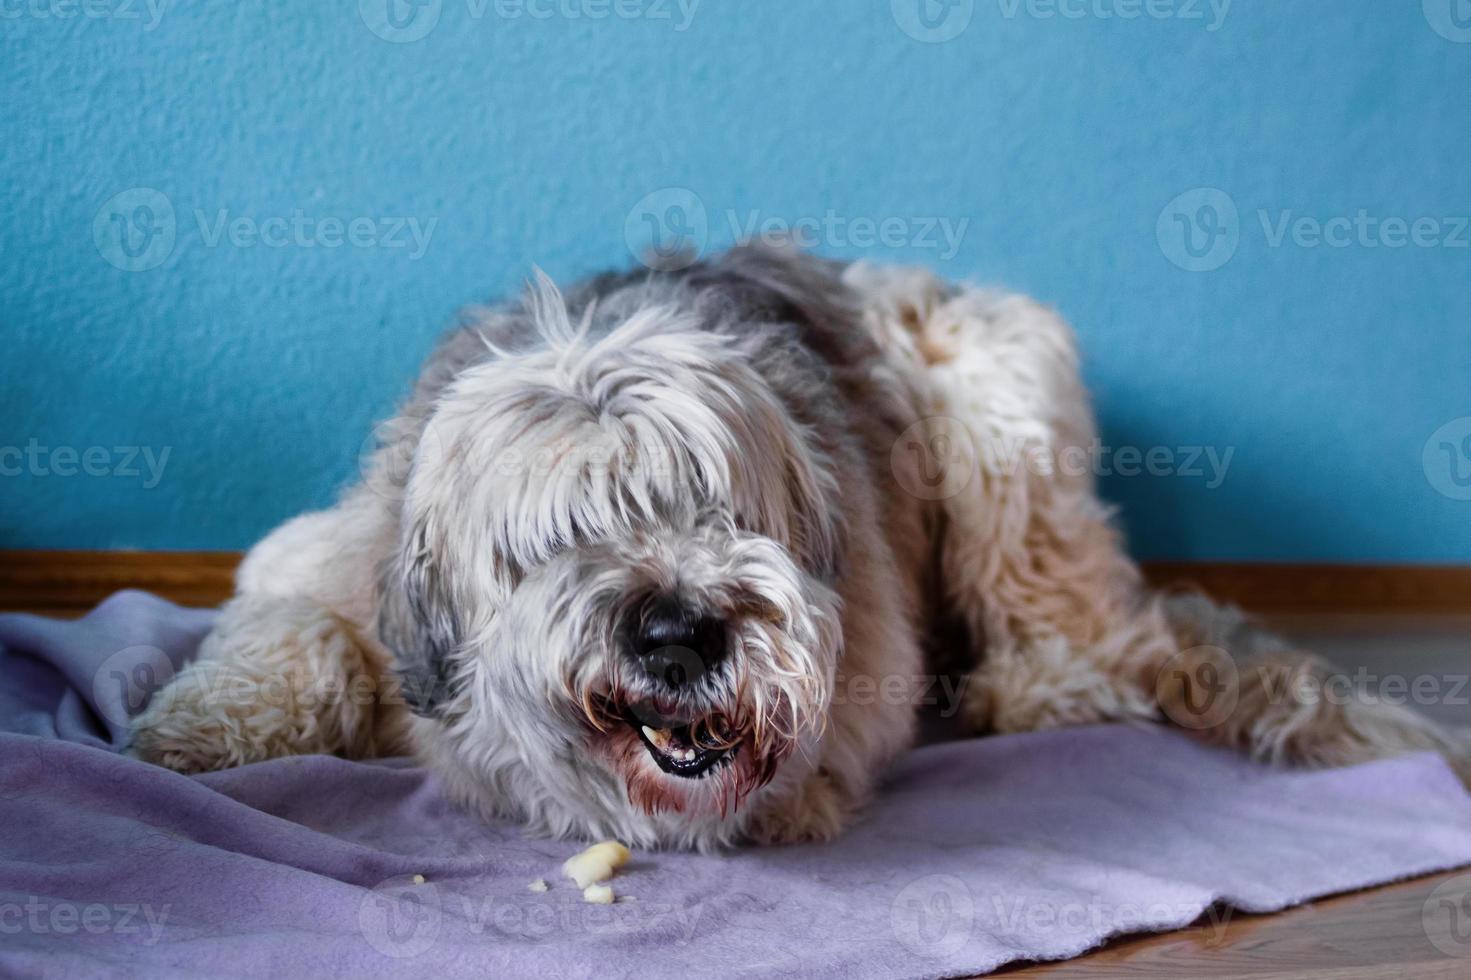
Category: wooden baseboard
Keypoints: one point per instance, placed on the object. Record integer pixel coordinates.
(1286, 588)
(69, 582)
(74, 581)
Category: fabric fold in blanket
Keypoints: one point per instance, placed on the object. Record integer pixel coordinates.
(976, 854)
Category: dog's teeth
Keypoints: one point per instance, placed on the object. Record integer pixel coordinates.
(660, 738)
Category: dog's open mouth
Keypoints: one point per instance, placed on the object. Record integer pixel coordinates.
(689, 749)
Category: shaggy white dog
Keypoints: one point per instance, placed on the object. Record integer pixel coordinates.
(656, 560)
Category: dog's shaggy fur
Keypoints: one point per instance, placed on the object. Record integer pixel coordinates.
(808, 463)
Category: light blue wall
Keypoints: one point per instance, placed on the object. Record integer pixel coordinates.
(1059, 140)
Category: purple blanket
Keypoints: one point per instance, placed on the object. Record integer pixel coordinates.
(977, 854)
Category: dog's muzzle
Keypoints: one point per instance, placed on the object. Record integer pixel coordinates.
(675, 648)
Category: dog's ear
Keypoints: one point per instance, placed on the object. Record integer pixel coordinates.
(416, 621)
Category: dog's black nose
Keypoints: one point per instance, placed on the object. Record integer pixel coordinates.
(675, 644)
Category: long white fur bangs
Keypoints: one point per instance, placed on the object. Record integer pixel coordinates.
(592, 438)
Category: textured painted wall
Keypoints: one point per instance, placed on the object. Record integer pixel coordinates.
(209, 213)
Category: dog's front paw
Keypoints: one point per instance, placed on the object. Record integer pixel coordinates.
(189, 728)
(817, 811)
(277, 677)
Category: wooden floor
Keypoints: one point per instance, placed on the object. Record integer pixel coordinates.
(1395, 931)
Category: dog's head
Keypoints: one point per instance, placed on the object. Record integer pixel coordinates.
(613, 589)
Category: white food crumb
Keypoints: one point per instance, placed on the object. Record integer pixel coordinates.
(596, 864)
(539, 885)
(418, 879)
(598, 894)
